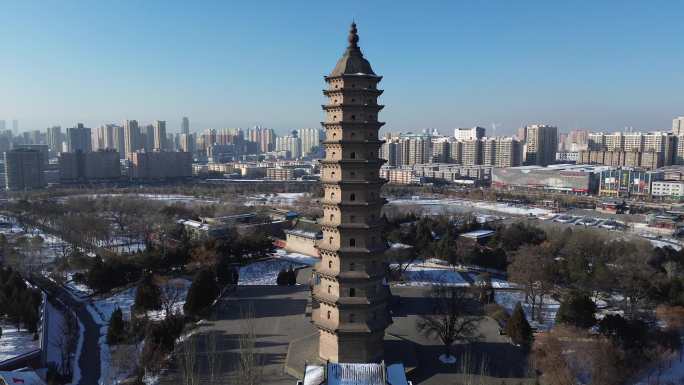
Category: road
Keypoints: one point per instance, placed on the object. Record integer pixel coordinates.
(89, 360)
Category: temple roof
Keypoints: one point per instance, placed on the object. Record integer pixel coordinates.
(352, 62)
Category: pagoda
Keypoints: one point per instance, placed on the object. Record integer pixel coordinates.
(350, 292)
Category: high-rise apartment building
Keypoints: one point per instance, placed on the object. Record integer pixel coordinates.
(54, 139)
(89, 166)
(24, 169)
(291, 143)
(349, 292)
(160, 165)
(119, 137)
(79, 139)
(147, 137)
(15, 126)
(310, 138)
(469, 133)
(471, 152)
(187, 143)
(542, 144)
(678, 126)
(105, 137)
(185, 125)
(160, 135)
(132, 140)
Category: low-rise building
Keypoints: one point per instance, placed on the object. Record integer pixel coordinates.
(668, 189)
(627, 182)
(479, 237)
(279, 173)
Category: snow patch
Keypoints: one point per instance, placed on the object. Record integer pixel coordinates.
(265, 272)
(447, 359)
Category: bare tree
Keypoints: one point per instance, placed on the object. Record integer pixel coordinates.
(187, 359)
(65, 343)
(453, 318)
(249, 371)
(213, 358)
(172, 292)
(532, 268)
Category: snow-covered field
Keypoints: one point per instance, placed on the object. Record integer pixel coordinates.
(427, 274)
(265, 272)
(14, 343)
(295, 257)
(462, 205)
(168, 198)
(278, 199)
(509, 299)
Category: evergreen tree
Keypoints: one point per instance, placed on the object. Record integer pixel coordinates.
(202, 292)
(291, 277)
(518, 329)
(116, 330)
(577, 309)
(147, 294)
(282, 279)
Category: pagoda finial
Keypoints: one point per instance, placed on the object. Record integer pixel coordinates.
(353, 36)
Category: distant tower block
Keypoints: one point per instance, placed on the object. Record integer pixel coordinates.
(350, 293)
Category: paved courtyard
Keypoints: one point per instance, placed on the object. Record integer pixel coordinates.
(281, 315)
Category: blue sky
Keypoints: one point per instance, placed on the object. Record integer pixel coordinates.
(601, 65)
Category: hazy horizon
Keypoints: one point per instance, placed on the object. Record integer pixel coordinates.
(600, 67)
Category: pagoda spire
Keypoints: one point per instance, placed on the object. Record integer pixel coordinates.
(353, 36)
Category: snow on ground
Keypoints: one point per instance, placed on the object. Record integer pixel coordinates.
(55, 333)
(295, 257)
(14, 343)
(497, 283)
(168, 198)
(76, 376)
(78, 290)
(101, 310)
(447, 359)
(104, 307)
(462, 205)
(265, 272)
(427, 274)
(284, 199)
(509, 299)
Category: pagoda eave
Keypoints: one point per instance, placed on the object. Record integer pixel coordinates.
(353, 76)
(375, 91)
(376, 107)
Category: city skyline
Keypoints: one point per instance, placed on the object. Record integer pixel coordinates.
(447, 65)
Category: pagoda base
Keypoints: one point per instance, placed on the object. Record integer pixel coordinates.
(305, 351)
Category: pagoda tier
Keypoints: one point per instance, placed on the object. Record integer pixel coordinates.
(350, 292)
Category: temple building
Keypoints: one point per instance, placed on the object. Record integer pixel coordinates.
(350, 291)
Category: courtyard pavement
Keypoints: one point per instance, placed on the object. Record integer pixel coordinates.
(281, 315)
